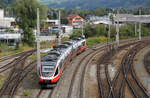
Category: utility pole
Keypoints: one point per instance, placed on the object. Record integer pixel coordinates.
(117, 29)
(82, 30)
(109, 30)
(38, 41)
(140, 25)
(135, 29)
(59, 37)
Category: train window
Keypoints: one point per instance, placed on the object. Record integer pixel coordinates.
(56, 73)
(60, 65)
(57, 54)
(68, 43)
(83, 43)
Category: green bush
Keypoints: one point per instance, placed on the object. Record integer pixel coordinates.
(95, 30)
(93, 41)
(76, 33)
(125, 31)
(96, 40)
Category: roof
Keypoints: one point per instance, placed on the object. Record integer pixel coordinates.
(124, 15)
(73, 16)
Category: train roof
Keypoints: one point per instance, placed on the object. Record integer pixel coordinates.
(55, 52)
(81, 37)
(50, 58)
(61, 46)
(68, 43)
(78, 38)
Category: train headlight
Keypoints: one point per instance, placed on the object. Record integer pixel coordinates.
(41, 80)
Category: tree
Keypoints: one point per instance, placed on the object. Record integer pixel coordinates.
(25, 12)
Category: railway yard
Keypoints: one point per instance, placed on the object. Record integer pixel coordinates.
(102, 71)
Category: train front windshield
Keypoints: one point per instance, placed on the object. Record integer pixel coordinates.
(48, 68)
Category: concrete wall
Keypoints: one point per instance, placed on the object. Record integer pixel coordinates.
(1, 13)
(10, 36)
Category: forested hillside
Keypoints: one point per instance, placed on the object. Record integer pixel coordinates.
(93, 4)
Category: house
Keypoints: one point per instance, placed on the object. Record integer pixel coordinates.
(75, 19)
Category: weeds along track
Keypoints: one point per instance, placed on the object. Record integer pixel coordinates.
(109, 88)
(17, 74)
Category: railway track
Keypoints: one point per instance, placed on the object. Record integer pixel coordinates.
(88, 57)
(45, 93)
(13, 62)
(125, 73)
(129, 75)
(106, 86)
(16, 75)
(91, 55)
(113, 88)
(147, 62)
(25, 70)
(14, 56)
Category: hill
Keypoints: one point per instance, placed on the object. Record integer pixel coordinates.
(93, 4)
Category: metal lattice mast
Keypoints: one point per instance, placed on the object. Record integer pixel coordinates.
(109, 31)
(59, 39)
(135, 29)
(38, 40)
(117, 29)
(82, 29)
(140, 25)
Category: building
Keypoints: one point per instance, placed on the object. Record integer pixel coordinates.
(67, 29)
(5, 22)
(52, 22)
(75, 19)
(123, 18)
(99, 20)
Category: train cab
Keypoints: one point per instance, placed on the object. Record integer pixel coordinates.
(54, 63)
(49, 73)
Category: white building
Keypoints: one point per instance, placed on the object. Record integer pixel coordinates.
(52, 22)
(99, 20)
(67, 28)
(5, 21)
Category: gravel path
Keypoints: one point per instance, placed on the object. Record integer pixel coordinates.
(90, 86)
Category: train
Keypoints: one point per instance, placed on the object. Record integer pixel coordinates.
(53, 64)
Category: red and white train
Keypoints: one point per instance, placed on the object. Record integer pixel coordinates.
(54, 63)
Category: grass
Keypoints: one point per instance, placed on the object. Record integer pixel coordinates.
(9, 50)
(2, 80)
(26, 93)
(96, 40)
